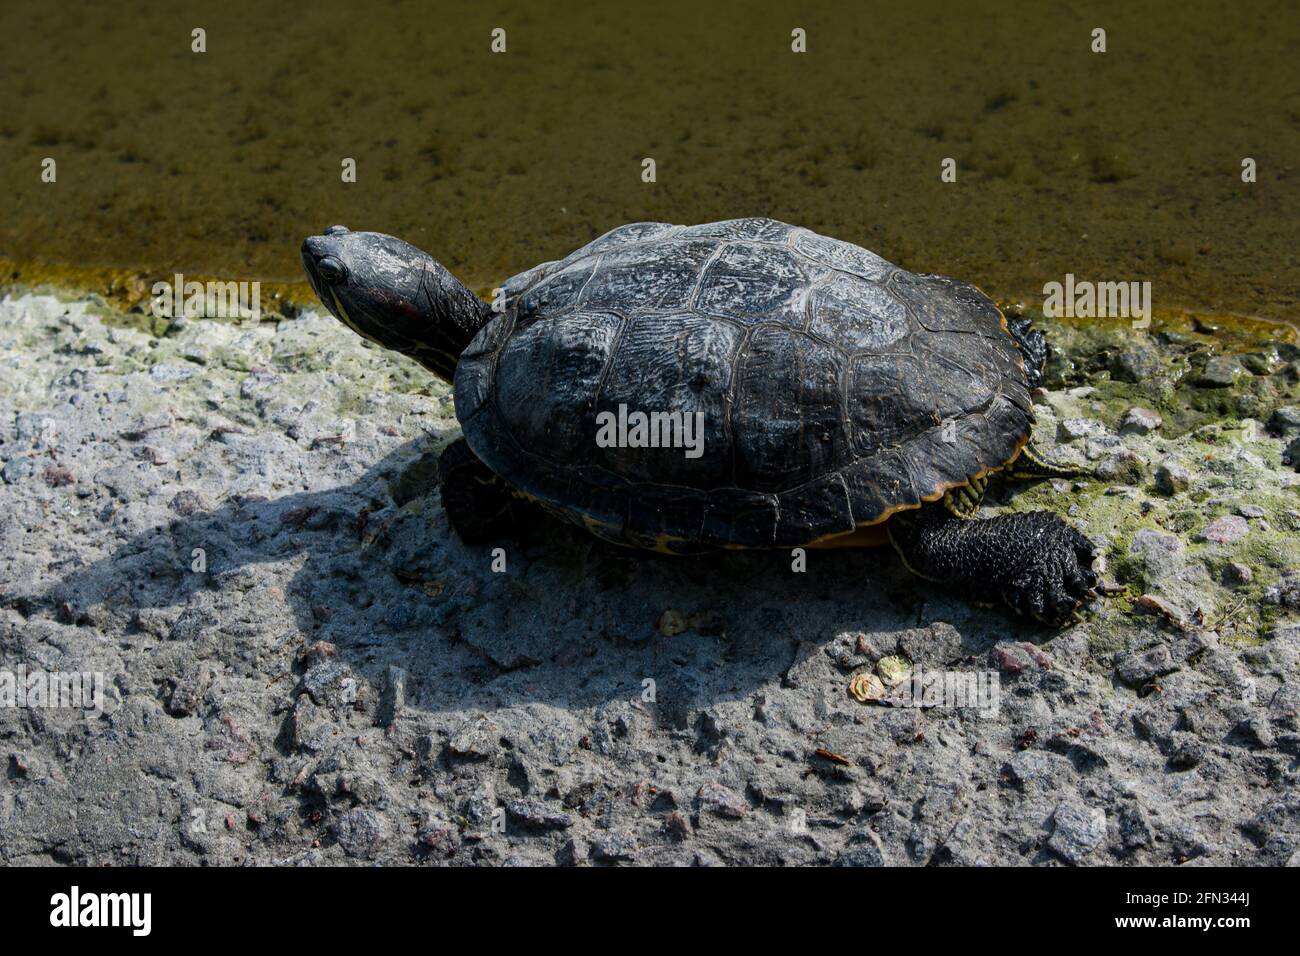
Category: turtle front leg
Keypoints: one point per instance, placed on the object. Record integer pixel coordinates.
(479, 505)
(1033, 561)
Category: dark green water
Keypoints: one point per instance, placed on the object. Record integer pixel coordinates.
(1117, 166)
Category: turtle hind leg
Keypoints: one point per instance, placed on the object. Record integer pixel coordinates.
(479, 505)
(965, 500)
(1035, 562)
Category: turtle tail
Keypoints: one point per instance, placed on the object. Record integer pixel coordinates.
(1032, 464)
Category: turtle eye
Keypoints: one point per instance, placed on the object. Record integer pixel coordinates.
(331, 270)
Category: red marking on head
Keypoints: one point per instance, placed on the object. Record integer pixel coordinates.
(395, 303)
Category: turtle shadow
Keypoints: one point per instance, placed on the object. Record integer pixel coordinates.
(551, 617)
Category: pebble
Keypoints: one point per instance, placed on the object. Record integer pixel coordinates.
(1015, 657)
(1292, 454)
(330, 683)
(1038, 769)
(678, 826)
(1153, 604)
(1236, 573)
(1285, 419)
(1186, 751)
(671, 623)
(1149, 539)
(1286, 592)
(163, 372)
(362, 833)
(187, 502)
(1072, 429)
(1139, 364)
(722, 801)
(1123, 466)
(1160, 551)
(1221, 371)
(613, 847)
(476, 739)
(392, 698)
(16, 469)
(1138, 668)
(310, 728)
(1134, 827)
(1140, 421)
(535, 815)
(865, 849)
(188, 690)
(1077, 831)
(1224, 530)
(1172, 478)
(142, 425)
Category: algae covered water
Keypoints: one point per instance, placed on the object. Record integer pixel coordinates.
(1124, 165)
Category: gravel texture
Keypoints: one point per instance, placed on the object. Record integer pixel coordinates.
(239, 528)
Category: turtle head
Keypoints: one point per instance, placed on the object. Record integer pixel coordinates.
(388, 291)
(1033, 347)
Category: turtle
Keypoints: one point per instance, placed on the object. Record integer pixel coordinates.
(737, 384)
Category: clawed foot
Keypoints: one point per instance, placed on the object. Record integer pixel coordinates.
(1057, 578)
(1033, 560)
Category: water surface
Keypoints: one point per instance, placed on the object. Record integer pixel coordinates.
(1117, 166)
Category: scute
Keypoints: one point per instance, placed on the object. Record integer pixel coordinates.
(622, 235)
(754, 228)
(474, 370)
(558, 291)
(843, 256)
(631, 234)
(672, 363)
(546, 398)
(835, 387)
(886, 406)
(820, 508)
(942, 304)
(754, 282)
(787, 420)
(647, 276)
(857, 315)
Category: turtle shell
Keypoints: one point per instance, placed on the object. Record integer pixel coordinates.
(831, 387)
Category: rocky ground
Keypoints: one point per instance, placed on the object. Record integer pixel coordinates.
(239, 527)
